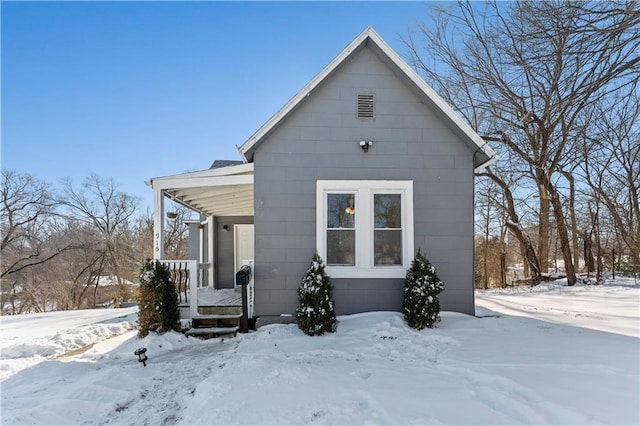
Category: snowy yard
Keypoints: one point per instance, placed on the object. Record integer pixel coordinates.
(548, 355)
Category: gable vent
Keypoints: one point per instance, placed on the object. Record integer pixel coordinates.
(365, 105)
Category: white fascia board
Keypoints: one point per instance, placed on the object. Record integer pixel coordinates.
(246, 148)
(231, 171)
(433, 96)
(221, 171)
(196, 182)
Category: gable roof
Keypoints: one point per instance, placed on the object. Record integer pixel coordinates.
(483, 154)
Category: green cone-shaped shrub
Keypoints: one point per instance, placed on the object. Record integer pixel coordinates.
(421, 304)
(315, 314)
(158, 300)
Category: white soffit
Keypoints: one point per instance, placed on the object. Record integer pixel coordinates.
(226, 191)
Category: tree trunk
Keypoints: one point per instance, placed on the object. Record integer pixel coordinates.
(503, 257)
(503, 268)
(572, 217)
(487, 219)
(589, 262)
(512, 223)
(598, 246)
(562, 234)
(523, 253)
(613, 263)
(543, 229)
(530, 252)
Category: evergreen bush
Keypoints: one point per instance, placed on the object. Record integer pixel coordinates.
(421, 304)
(315, 314)
(158, 300)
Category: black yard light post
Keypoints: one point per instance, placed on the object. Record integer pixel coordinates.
(142, 355)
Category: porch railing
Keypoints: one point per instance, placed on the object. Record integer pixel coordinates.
(186, 276)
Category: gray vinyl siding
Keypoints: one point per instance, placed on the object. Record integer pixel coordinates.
(224, 267)
(193, 249)
(319, 141)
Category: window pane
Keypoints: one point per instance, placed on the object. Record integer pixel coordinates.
(341, 211)
(388, 247)
(341, 248)
(387, 210)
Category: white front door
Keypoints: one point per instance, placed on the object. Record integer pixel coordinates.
(242, 246)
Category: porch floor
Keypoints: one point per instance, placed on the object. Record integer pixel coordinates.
(208, 296)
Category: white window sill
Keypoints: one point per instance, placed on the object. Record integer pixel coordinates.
(354, 272)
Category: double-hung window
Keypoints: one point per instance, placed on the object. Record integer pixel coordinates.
(341, 229)
(387, 229)
(365, 228)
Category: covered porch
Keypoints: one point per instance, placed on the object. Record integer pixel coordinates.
(220, 239)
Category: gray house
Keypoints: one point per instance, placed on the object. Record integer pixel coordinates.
(366, 165)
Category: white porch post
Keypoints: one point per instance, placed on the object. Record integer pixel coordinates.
(193, 287)
(201, 252)
(211, 251)
(158, 224)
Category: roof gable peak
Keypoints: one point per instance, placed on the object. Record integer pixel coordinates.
(386, 53)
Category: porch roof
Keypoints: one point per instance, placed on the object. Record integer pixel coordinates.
(224, 191)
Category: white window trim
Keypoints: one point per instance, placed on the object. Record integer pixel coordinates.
(364, 191)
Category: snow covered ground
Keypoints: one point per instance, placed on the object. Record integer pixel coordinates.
(548, 355)
(26, 340)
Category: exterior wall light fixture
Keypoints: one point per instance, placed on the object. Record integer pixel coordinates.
(365, 145)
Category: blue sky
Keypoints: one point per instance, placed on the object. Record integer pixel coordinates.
(139, 90)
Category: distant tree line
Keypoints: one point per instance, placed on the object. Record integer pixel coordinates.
(553, 87)
(75, 246)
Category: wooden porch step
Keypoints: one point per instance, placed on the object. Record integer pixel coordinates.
(204, 331)
(217, 316)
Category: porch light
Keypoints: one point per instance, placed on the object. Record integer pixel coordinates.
(365, 145)
(225, 228)
(141, 354)
(172, 215)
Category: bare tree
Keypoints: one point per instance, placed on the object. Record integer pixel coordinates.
(99, 204)
(55, 248)
(176, 238)
(28, 212)
(512, 222)
(526, 72)
(491, 247)
(611, 166)
(177, 233)
(27, 207)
